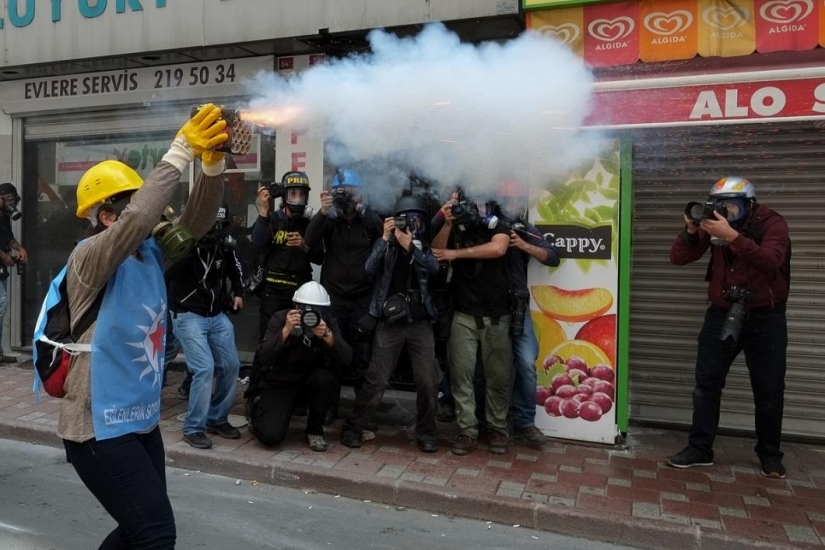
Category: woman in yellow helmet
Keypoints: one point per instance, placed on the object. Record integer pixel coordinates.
(109, 415)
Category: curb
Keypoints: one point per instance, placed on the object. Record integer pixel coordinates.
(639, 533)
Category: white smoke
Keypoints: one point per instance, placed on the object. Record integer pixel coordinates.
(453, 113)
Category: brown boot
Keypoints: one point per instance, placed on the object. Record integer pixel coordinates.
(463, 445)
(498, 443)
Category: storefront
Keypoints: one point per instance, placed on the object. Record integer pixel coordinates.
(99, 80)
(689, 121)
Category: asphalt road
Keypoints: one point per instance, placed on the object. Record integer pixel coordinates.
(44, 506)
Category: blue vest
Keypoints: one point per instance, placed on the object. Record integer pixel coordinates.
(128, 347)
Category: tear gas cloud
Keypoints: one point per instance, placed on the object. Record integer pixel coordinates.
(452, 113)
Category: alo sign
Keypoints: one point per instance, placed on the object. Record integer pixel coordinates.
(21, 13)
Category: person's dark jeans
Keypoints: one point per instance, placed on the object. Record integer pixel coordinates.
(387, 346)
(271, 411)
(127, 476)
(764, 340)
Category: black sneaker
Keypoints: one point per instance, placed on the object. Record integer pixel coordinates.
(225, 430)
(198, 440)
(688, 458)
(772, 467)
(350, 439)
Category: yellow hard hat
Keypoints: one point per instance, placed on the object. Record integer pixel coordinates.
(103, 180)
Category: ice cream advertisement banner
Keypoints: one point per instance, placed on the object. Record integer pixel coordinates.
(573, 306)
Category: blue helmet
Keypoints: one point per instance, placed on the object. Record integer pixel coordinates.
(345, 176)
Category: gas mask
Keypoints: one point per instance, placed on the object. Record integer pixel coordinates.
(175, 241)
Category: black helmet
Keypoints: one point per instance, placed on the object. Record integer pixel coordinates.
(8, 188)
(295, 179)
(408, 203)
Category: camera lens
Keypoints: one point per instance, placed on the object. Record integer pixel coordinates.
(310, 319)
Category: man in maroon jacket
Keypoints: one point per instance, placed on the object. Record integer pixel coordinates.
(748, 282)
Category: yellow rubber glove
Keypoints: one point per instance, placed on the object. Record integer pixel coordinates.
(211, 158)
(202, 133)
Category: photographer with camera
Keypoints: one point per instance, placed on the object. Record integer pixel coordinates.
(199, 301)
(295, 352)
(525, 242)
(347, 229)
(481, 318)
(401, 301)
(9, 200)
(284, 256)
(748, 284)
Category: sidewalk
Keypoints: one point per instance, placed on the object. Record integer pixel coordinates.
(621, 495)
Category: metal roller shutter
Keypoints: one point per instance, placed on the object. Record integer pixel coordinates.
(786, 163)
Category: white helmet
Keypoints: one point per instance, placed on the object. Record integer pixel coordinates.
(311, 294)
(732, 187)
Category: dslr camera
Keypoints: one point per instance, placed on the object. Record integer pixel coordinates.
(310, 318)
(466, 214)
(698, 211)
(735, 318)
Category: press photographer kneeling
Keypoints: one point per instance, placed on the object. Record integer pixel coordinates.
(748, 283)
(294, 370)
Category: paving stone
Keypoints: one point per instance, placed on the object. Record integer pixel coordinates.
(756, 501)
(543, 477)
(597, 461)
(816, 516)
(527, 458)
(435, 480)
(510, 486)
(499, 464)
(535, 496)
(468, 472)
(646, 510)
(697, 486)
(561, 501)
(573, 469)
(592, 490)
(426, 460)
(673, 496)
(388, 449)
(673, 518)
(799, 533)
(412, 477)
(781, 492)
(721, 478)
(801, 483)
(649, 474)
(733, 512)
(391, 471)
(619, 481)
(706, 523)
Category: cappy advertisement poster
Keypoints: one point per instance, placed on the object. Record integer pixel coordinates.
(573, 306)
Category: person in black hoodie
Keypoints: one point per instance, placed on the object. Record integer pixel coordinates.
(198, 299)
(294, 354)
(347, 228)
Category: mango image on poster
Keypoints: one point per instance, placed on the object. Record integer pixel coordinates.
(573, 306)
(549, 334)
